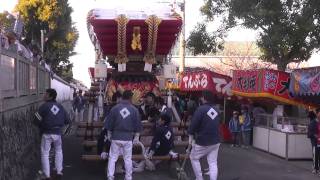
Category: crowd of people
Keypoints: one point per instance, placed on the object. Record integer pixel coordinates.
(240, 125)
(123, 125)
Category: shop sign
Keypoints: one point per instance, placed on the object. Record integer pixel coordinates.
(206, 80)
(197, 81)
(263, 83)
(246, 81)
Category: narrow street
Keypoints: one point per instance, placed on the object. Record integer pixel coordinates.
(167, 73)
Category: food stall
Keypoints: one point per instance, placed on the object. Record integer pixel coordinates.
(196, 80)
(282, 136)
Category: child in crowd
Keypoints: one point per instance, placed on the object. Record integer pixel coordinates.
(234, 127)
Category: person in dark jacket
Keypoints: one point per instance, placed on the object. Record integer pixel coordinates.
(123, 125)
(204, 136)
(152, 113)
(148, 108)
(162, 142)
(312, 135)
(161, 105)
(103, 144)
(103, 148)
(246, 126)
(79, 103)
(191, 105)
(116, 98)
(53, 117)
(235, 128)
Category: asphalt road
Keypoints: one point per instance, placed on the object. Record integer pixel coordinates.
(234, 164)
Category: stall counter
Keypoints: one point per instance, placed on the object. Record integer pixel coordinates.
(288, 145)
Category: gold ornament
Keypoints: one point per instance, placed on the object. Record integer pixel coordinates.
(120, 89)
(136, 98)
(121, 57)
(136, 39)
(111, 89)
(153, 24)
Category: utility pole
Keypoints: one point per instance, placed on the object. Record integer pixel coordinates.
(42, 41)
(182, 38)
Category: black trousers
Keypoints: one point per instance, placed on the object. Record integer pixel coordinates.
(236, 138)
(316, 157)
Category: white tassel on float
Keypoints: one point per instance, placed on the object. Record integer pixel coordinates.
(122, 67)
(147, 67)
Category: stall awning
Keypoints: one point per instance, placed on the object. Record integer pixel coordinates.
(206, 80)
(305, 84)
(264, 83)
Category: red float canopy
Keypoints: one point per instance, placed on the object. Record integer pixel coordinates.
(104, 30)
(206, 80)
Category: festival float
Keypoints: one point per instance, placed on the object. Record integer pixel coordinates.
(277, 133)
(134, 43)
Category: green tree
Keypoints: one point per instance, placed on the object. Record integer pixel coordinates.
(5, 21)
(53, 16)
(289, 30)
(202, 42)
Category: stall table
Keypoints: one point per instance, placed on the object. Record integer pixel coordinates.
(288, 145)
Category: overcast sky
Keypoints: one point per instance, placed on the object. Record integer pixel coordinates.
(85, 52)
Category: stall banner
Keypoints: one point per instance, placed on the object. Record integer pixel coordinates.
(246, 81)
(206, 80)
(277, 83)
(305, 82)
(263, 83)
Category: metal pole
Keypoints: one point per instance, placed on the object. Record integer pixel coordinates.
(42, 41)
(182, 38)
(224, 109)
